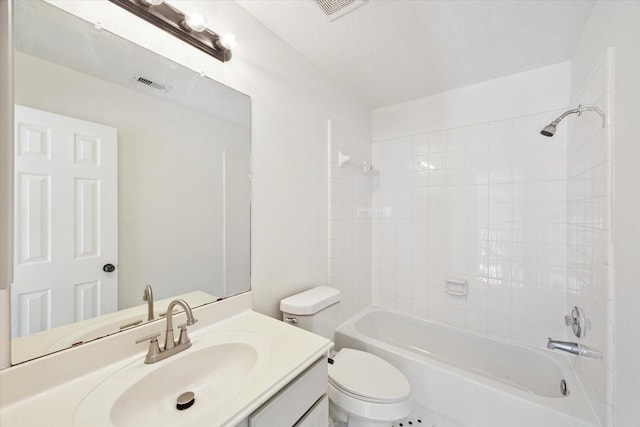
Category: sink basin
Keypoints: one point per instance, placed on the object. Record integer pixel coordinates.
(216, 369)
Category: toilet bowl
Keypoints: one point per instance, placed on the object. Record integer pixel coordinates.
(364, 390)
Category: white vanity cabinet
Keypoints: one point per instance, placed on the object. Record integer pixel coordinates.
(301, 403)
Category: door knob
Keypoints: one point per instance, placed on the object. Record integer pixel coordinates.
(108, 268)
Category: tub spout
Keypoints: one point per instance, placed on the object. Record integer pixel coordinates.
(569, 347)
(574, 348)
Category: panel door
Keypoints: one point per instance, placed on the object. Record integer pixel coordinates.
(65, 221)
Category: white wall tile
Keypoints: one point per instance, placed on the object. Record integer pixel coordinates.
(474, 218)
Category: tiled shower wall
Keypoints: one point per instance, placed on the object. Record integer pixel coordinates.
(589, 260)
(350, 218)
(485, 203)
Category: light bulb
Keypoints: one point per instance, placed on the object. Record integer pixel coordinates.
(195, 21)
(228, 40)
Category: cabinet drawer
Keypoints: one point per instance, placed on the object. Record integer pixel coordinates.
(290, 404)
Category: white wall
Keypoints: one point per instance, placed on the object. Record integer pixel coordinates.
(469, 189)
(291, 102)
(350, 218)
(615, 23)
(510, 96)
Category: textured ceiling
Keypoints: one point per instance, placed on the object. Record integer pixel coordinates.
(391, 51)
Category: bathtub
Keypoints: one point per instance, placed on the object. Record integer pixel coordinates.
(470, 379)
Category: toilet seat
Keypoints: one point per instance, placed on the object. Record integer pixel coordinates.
(367, 377)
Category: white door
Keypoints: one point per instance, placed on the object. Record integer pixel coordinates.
(65, 221)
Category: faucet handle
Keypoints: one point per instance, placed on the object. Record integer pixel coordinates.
(184, 336)
(154, 347)
(152, 337)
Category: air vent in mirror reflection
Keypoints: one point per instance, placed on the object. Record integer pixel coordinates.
(150, 83)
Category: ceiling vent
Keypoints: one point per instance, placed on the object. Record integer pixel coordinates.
(337, 8)
(150, 83)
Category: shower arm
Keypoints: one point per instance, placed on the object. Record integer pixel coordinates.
(579, 111)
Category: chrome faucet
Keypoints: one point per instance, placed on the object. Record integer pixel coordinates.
(171, 347)
(148, 297)
(574, 348)
(569, 347)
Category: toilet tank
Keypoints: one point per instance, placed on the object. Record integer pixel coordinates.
(315, 310)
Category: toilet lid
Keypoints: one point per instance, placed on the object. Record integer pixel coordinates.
(368, 377)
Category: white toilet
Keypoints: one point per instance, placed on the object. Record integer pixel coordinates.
(364, 390)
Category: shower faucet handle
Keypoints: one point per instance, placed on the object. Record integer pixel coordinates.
(577, 321)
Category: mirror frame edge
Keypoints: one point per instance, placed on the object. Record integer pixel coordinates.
(6, 178)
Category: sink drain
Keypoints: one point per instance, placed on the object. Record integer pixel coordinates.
(185, 401)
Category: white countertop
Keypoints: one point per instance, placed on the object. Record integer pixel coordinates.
(291, 351)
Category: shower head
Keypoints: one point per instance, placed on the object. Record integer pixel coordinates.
(550, 129)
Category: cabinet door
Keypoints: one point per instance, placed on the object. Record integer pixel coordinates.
(317, 416)
(291, 404)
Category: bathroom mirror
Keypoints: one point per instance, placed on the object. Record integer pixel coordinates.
(131, 170)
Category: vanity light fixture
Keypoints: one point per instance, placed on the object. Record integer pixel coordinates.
(189, 27)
